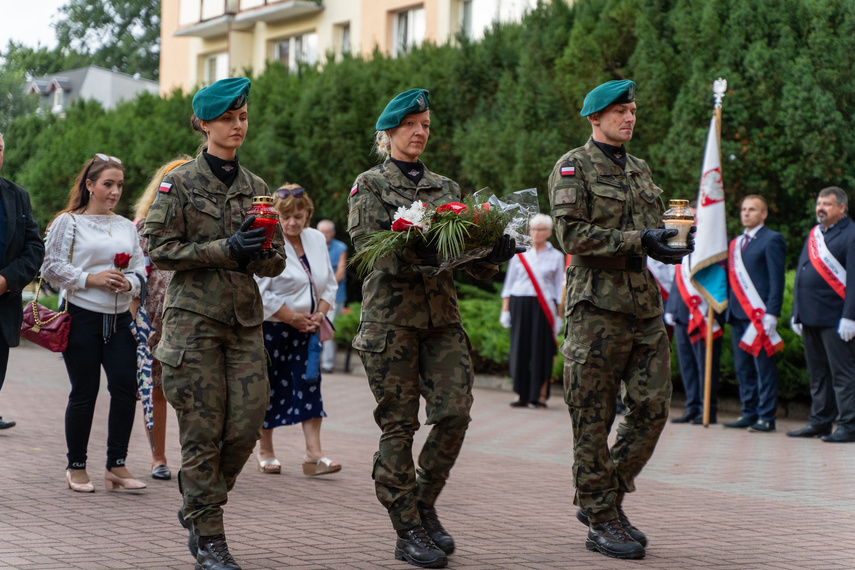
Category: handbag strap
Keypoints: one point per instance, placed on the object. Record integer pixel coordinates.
(312, 291)
(36, 319)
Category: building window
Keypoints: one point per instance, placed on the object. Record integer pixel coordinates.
(216, 68)
(343, 38)
(58, 100)
(296, 50)
(466, 18)
(408, 30)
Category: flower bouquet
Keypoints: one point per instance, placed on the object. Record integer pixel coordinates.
(460, 231)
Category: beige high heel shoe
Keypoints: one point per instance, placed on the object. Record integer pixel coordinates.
(113, 481)
(87, 487)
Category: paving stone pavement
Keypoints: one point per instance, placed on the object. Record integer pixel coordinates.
(710, 498)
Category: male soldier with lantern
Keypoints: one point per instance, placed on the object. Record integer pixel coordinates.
(608, 214)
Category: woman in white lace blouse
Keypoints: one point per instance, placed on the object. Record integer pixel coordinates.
(86, 245)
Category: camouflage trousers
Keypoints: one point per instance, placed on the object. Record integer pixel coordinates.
(603, 348)
(404, 363)
(215, 376)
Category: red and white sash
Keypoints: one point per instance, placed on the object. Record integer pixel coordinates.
(755, 339)
(825, 263)
(698, 307)
(541, 298)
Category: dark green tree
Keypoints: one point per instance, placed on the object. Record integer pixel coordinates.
(122, 35)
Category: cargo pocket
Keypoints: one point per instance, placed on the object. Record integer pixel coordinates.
(575, 372)
(576, 352)
(171, 357)
(370, 338)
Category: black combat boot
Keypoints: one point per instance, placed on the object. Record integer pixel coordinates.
(437, 534)
(611, 539)
(214, 554)
(191, 538)
(636, 534)
(416, 547)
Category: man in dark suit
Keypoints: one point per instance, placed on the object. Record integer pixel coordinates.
(825, 316)
(760, 293)
(21, 254)
(691, 354)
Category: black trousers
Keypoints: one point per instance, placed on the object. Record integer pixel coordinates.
(4, 359)
(831, 365)
(85, 355)
(532, 348)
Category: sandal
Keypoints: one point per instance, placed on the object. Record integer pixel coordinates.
(270, 466)
(323, 466)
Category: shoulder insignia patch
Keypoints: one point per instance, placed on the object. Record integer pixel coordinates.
(354, 189)
(568, 171)
(165, 186)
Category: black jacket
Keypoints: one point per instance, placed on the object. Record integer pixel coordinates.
(25, 251)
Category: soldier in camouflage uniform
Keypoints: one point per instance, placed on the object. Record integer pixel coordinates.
(410, 338)
(607, 213)
(212, 351)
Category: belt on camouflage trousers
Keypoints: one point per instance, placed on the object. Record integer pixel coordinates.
(623, 262)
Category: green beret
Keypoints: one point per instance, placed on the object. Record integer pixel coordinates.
(407, 103)
(224, 95)
(609, 93)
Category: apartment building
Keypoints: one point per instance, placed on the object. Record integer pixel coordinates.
(206, 40)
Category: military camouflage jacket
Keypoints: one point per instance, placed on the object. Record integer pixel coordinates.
(400, 290)
(187, 226)
(600, 210)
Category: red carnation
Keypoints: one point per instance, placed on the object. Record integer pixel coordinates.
(122, 260)
(401, 225)
(455, 207)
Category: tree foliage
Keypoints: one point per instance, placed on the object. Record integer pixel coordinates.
(117, 34)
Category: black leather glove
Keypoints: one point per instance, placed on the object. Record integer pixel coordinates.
(264, 255)
(504, 249)
(245, 242)
(655, 242)
(427, 252)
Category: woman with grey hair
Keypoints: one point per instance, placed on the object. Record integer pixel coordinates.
(530, 308)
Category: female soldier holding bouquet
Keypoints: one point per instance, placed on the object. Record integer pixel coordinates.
(211, 348)
(430, 355)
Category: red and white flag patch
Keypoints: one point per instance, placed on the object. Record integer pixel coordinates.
(165, 186)
(354, 189)
(568, 171)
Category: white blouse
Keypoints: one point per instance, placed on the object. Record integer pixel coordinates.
(96, 240)
(292, 288)
(548, 267)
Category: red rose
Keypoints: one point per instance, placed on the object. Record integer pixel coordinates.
(455, 207)
(122, 260)
(401, 225)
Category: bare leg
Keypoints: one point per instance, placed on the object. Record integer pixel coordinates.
(312, 433)
(158, 429)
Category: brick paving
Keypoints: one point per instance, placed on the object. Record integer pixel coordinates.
(710, 498)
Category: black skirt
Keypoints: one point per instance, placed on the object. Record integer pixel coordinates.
(532, 348)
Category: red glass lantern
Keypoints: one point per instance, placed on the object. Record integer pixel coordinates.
(265, 217)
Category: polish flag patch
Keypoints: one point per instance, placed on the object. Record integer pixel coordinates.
(568, 171)
(165, 186)
(354, 189)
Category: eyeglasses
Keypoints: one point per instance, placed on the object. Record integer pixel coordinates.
(295, 192)
(107, 157)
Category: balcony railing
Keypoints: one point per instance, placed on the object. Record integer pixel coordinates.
(199, 11)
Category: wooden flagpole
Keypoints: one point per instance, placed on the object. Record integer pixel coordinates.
(719, 88)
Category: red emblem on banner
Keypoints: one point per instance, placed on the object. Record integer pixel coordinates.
(712, 190)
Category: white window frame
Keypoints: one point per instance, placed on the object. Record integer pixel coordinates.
(302, 48)
(408, 30)
(220, 63)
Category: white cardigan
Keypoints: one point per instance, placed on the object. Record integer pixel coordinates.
(291, 288)
(97, 240)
